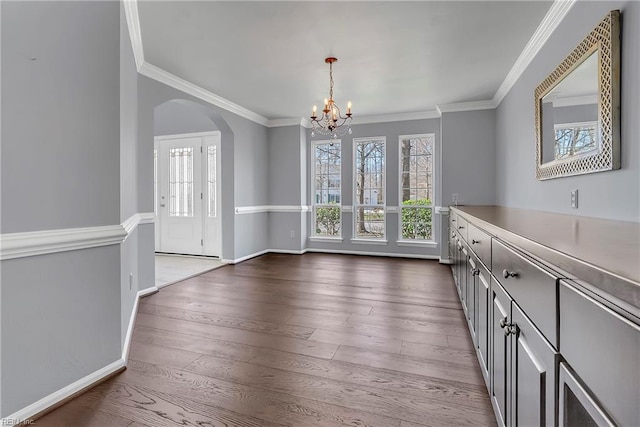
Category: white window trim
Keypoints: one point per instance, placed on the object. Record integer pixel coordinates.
(355, 238)
(417, 242)
(313, 206)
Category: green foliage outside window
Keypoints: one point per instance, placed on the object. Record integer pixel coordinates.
(328, 221)
(416, 222)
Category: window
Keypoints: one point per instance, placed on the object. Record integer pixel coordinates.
(181, 182)
(416, 187)
(575, 138)
(369, 197)
(327, 189)
(211, 181)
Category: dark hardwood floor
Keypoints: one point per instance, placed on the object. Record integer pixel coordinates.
(311, 340)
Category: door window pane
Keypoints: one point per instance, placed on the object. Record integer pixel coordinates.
(211, 181)
(181, 182)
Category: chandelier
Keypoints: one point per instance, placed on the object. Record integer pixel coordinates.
(331, 122)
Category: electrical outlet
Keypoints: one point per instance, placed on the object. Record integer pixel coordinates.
(130, 281)
(574, 199)
(292, 234)
(454, 198)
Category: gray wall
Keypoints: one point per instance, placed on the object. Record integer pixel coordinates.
(60, 313)
(468, 157)
(613, 194)
(60, 115)
(173, 118)
(287, 186)
(130, 265)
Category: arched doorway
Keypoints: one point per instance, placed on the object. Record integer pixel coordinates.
(187, 180)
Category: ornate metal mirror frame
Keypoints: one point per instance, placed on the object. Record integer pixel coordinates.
(605, 40)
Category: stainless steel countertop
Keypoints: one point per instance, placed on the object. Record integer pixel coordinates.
(603, 253)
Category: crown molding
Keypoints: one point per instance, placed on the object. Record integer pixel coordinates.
(550, 22)
(466, 106)
(181, 84)
(399, 117)
(135, 35)
(293, 121)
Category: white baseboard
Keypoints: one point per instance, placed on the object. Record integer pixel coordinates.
(386, 254)
(62, 394)
(288, 251)
(445, 261)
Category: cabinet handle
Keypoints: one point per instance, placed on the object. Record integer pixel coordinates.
(460, 227)
(509, 328)
(474, 241)
(506, 274)
(459, 248)
(475, 271)
(503, 322)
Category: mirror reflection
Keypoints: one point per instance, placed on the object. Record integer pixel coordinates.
(570, 114)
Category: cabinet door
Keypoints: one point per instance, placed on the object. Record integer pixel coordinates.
(533, 373)
(482, 328)
(472, 279)
(500, 360)
(464, 262)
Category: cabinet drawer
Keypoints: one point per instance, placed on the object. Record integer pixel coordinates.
(480, 243)
(603, 348)
(461, 226)
(531, 285)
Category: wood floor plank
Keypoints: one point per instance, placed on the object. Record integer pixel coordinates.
(418, 385)
(373, 400)
(250, 401)
(228, 321)
(410, 364)
(74, 414)
(294, 345)
(152, 407)
(300, 341)
(436, 325)
(357, 340)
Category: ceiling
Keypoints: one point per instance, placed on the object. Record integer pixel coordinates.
(393, 57)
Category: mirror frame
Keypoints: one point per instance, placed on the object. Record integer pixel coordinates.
(605, 38)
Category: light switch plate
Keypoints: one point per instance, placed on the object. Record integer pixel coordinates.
(574, 199)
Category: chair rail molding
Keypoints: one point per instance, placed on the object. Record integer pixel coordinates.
(32, 243)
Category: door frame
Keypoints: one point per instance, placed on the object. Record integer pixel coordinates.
(218, 142)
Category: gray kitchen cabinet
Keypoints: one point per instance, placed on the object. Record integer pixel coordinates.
(533, 383)
(600, 345)
(483, 306)
(500, 365)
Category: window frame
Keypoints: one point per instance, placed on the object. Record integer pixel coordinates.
(402, 241)
(371, 240)
(313, 236)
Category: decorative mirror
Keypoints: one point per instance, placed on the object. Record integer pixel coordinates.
(577, 108)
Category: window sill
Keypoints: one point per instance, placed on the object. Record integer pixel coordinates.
(370, 241)
(418, 243)
(325, 239)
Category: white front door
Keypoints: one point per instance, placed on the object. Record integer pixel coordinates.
(187, 202)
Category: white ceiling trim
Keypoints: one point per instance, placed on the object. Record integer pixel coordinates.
(133, 24)
(550, 22)
(176, 82)
(400, 117)
(466, 106)
(293, 121)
